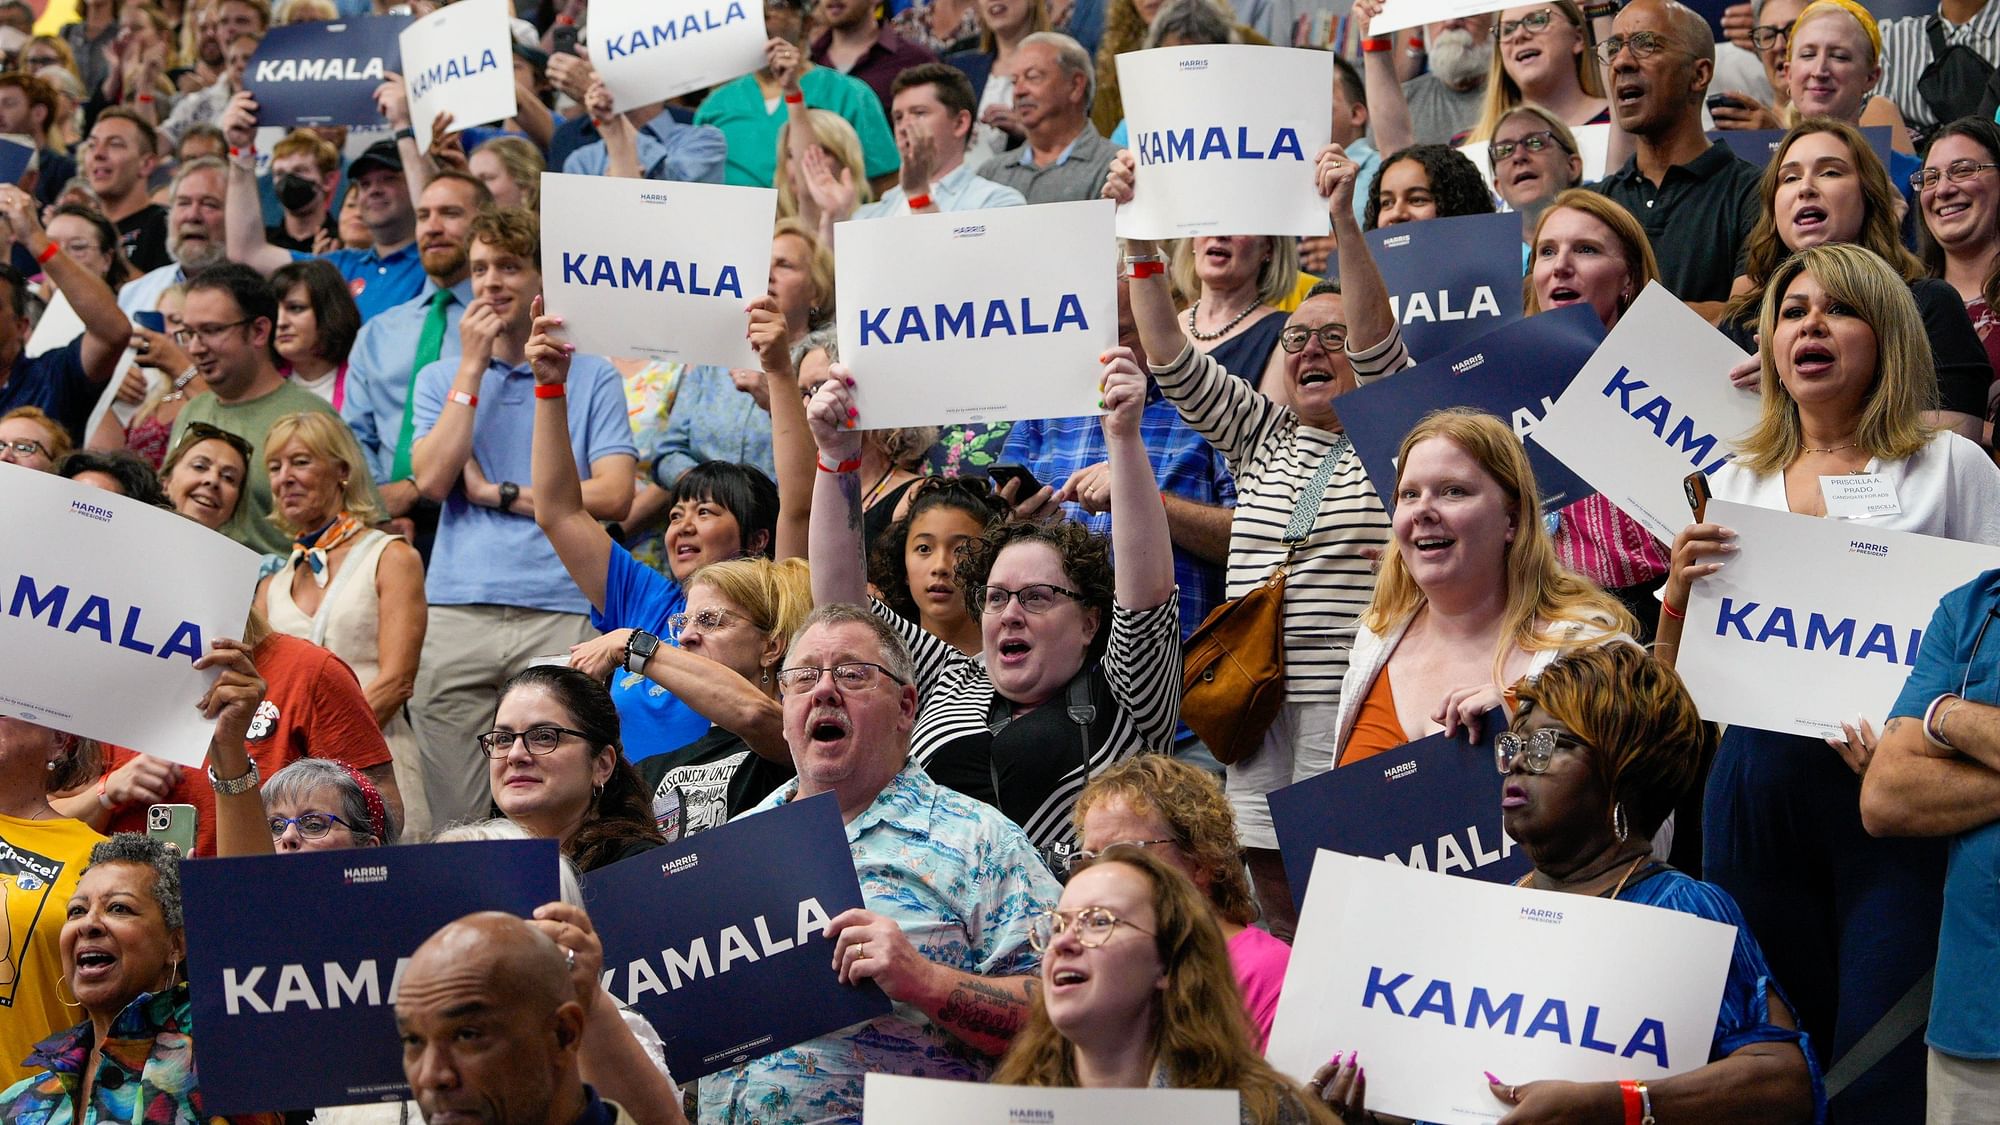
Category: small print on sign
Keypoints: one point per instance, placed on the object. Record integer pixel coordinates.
(1855, 496)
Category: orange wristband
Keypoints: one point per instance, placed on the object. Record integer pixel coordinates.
(550, 390)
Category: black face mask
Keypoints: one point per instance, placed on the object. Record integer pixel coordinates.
(295, 193)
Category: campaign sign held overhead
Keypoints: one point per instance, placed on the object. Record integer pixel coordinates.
(1433, 805)
(310, 948)
(1760, 146)
(651, 50)
(890, 1099)
(460, 61)
(702, 937)
(1433, 981)
(655, 270)
(1223, 140)
(77, 615)
(326, 73)
(1514, 372)
(1399, 14)
(1452, 280)
(1814, 621)
(977, 316)
(1653, 405)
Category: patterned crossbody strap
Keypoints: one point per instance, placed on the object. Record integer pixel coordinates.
(1305, 511)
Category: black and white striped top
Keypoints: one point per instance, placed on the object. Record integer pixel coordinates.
(1330, 581)
(1906, 51)
(1140, 673)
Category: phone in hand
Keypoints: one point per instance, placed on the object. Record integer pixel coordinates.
(1002, 473)
(1696, 486)
(562, 41)
(1727, 101)
(151, 321)
(174, 826)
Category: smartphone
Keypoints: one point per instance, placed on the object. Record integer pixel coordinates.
(173, 824)
(1696, 485)
(563, 40)
(152, 321)
(1003, 473)
(1726, 101)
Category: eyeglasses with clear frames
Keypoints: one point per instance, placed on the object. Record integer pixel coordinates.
(312, 825)
(24, 447)
(1038, 597)
(1533, 142)
(1644, 45)
(1332, 337)
(1093, 926)
(1958, 171)
(539, 739)
(855, 675)
(1535, 751)
(707, 621)
(1534, 23)
(1078, 859)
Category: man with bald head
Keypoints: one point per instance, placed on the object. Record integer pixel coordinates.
(1697, 200)
(491, 1028)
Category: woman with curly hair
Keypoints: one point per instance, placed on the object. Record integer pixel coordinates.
(1137, 991)
(1425, 182)
(914, 564)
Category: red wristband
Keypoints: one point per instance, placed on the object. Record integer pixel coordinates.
(795, 99)
(464, 399)
(1630, 1090)
(48, 253)
(843, 467)
(1143, 270)
(144, 99)
(919, 202)
(1415, 45)
(1376, 44)
(1667, 608)
(550, 390)
(246, 150)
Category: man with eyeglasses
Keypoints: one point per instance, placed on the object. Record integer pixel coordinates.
(1695, 198)
(63, 381)
(230, 313)
(951, 889)
(1758, 105)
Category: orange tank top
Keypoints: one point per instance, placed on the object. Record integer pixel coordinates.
(1376, 728)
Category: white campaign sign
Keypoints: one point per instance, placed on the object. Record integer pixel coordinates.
(889, 1099)
(1653, 405)
(653, 269)
(460, 60)
(1593, 148)
(651, 50)
(1433, 979)
(1399, 14)
(1224, 139)
(977, 316)
(1814, 621)
(105, 604)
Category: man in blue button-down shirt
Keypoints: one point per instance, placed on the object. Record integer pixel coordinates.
(667, 149)
(933, 110)
(500, 599)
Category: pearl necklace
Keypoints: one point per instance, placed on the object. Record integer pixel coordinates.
(1211, 337)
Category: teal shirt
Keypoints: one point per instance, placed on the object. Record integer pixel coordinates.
(737, 108)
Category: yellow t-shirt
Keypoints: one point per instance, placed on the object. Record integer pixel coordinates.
(40, 861)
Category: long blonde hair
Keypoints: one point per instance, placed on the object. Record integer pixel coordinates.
(1276, 277)
(1540, 590)
(1503, 94)
(1892, 422)
(832, 133)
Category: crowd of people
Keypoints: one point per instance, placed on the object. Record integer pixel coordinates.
(513, 590)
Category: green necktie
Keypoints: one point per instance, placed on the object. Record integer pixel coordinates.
(429, 344)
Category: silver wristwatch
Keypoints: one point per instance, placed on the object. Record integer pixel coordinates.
(234, 785)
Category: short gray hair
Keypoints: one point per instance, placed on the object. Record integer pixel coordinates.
(1071, 57)
(1192, 21)
(307, 776)
(135, 847)
(895, 654)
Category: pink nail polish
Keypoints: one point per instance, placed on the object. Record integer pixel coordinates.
(1489, 1077)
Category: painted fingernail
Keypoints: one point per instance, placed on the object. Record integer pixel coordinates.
(849, 380)
(1490, 1078)
(853, 413)
(850, 423)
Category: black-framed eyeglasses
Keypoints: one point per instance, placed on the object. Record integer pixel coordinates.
(707, 621)
(1958, 171)
(1644, 45)
(1533, 142)
(1077, 859)
(1768, 35)
(854, 675)
(1093, 926)
(312, 825)
(1535, 751)
(1038, 597)
(1332, 337)
(209, 333)
(26, 447)
(541, 739)
(1534, 23)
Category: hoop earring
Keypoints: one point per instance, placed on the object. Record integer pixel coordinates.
(1620, 827)
(596, 791)
(60, 981)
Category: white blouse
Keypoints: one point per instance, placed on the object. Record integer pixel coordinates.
(1950, 488)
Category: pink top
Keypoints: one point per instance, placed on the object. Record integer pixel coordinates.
(1607, 546)
(1259, 960)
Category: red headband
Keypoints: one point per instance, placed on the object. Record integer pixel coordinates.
(378, 813)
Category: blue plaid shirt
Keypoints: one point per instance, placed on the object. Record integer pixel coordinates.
(1183, 463)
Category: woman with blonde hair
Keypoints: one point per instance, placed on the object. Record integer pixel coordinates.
(1544, 53)
(1233, 284)
(1472, 597)
(821, 175)
(1846, 380)
(511, 168)
(1137, 991)
(347, 586)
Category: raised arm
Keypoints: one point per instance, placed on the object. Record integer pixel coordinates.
(1363, 294)
(241, 827)
(792, 448)
(1142, 548)
(621, 140)
(579, 540)
(1388, 109)
(1152, 296)
(243, 211)
(106, 331)
(392, 99)
(835, 547)
(612, 1059)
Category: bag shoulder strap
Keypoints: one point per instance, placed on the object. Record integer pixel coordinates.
(1305, 510)
(1934, 31)
(1905, 1017)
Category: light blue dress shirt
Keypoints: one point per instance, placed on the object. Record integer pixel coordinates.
(962, 190)
(668, 150)
(379, 368)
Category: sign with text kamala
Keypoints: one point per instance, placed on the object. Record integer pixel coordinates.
(1653, 405)
(1429, 980)
(326, 73)
(651, 50)
(1224, 139)
(1814, 621)
(654, 269)
(1452, 280)
(703, 937)
(890, 1099)
(82, 623)
(977, 316)
(460, 60)
(311, 947)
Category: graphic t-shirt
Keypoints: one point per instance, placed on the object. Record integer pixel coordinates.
(39, 864)
(701, 785)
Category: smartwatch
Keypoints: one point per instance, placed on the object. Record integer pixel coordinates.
(509, 492)
(639, 648)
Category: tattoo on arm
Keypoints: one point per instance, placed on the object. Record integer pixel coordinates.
(850, 491)
(977, 1009)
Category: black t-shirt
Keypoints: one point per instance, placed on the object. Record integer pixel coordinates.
(1697, 218)
(143, 233)
(277, 236)
(717, 776)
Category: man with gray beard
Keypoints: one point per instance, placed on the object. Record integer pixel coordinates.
(194, 233)
(1445, 100)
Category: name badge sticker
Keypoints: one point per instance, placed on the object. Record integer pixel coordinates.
(1856, 496)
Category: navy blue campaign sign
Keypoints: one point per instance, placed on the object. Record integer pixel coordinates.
(308, 948)
(719, 940)
(325, 73)
(14, 159)
(1516, 372)
(1450, 280)
(1758, 146)
(1433, 804)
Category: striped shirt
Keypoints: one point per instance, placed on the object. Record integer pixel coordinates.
(1330, 581)
(1141, 669)
(1906, 51)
